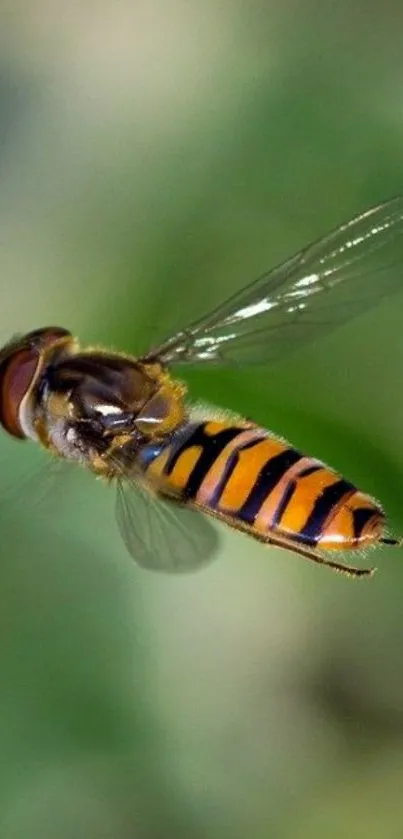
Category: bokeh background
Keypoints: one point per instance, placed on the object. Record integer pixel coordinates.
(154, 157)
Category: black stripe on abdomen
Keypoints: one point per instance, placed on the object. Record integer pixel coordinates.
(361, 516)
(211, 447)
(289, 492)
(269, 476)
(229, 469)
(312, 530)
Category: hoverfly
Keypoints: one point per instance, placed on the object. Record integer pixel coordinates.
(127, 419)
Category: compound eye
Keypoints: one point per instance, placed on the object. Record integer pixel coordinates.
(17, 373)
(46, 336)
(20, 359)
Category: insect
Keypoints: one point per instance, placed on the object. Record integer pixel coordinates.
(128, 419)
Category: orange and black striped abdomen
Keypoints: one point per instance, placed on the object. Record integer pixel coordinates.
(261, 484)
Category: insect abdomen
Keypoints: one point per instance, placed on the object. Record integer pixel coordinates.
(260, 484)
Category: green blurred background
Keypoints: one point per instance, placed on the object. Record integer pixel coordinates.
(153, 158)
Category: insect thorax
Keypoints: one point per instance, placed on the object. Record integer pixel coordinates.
(92, 403)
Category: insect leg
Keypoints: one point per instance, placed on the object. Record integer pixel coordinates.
(315, 556)
(390, 541)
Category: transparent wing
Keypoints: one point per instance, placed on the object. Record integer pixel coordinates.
(322, 286)
(162, 535)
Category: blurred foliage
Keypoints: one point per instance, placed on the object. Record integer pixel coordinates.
(154, 158)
